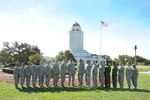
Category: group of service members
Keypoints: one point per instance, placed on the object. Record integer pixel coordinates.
(39, 72)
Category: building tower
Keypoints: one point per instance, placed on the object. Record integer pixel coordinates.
(76, 38)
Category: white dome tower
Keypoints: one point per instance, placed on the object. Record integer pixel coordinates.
(76, 44)
(76, 37)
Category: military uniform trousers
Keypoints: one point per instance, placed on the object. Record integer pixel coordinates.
(71, 76)
(95, 79)
(114, 81)
(80, 78)
(63, 76)
(55, 79)
(28, 77)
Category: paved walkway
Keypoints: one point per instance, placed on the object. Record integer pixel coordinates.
(5, 77)
(148, 72)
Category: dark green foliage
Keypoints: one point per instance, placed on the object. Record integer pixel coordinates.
(129, 59)
(65, 55)
(18, 52)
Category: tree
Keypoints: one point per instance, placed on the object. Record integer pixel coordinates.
(20, 52)
(125, 58)
(66, 55)
(147, 62)
(116, 61)
(37, 57)
(4, 57)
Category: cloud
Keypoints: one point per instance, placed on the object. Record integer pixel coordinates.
(37, 27)
(48, 28)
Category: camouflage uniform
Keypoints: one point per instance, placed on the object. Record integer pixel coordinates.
(41, 74)
(121, 76)
(134, 76)
(28, 75)
(94, 73)
(101, 74)
(22, 75)
(63, 73)
(16, 76)
(71, 71)
(47, 74)
(129, 76)
(34, 69)
(56, 74)
(80, 72)
(87, 73)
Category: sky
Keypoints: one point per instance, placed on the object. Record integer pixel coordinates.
(46, 23)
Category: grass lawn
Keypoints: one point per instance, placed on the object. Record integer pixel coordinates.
(8, 92)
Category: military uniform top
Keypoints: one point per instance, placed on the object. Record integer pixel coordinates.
(80, 68)
(63, 67)
(121, 71)
(71, 68)
(34, 69)
(87, 69)
(94, 68)
(114, 71)
(135, 72)
(107, 70)
(56, 68)
(41, 69)
(22, 71)
(27, 70)
(128, 71)
(101, 69)
(16, 71)
(47, 69)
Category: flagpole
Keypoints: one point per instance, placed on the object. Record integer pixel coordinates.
(105, 25)
(100, 43)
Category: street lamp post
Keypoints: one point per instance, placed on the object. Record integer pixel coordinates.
(135, 48)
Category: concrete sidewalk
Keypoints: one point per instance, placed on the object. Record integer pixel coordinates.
(148, 72)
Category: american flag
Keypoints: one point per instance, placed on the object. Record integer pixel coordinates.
(103, 24)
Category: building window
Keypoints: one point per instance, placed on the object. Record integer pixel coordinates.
(77, 30)
(73, 29)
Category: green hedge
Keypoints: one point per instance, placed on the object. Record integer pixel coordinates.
(7, 70)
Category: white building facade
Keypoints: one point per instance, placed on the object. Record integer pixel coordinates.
(76, 45)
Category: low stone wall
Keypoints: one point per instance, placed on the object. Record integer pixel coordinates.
(7, 70)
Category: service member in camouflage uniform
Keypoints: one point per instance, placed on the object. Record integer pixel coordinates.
(47, 74)
(56, 74)
(34, 69)
(94, 73)
(41, 74)
(101, 73)
(16, 75)
(63, 73)
(71, 72)
(129, 75)
(121, 76)
(87, 72)
(134, 76)
(28, 74)
(80, 72)
(22, 75)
